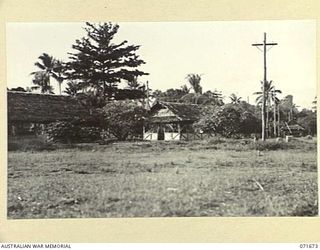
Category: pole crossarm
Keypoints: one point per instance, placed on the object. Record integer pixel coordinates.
(261, 44)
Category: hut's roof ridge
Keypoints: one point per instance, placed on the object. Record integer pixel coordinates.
(184, 111)
(32, 93)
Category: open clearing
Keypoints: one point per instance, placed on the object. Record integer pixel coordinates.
(141, 179)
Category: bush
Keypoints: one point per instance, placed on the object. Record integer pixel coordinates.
(229, 120)
(72, 132)
(123, 119)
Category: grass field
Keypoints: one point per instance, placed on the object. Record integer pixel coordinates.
(139, 179)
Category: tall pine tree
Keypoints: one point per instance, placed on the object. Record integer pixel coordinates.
(99, 64)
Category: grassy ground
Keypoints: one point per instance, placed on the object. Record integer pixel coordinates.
(204, 178)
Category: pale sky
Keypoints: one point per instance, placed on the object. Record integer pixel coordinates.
(220, 51)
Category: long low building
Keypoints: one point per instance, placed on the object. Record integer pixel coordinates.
(27, 109)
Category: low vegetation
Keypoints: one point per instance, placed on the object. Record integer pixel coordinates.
(67, 132)
(218, 177)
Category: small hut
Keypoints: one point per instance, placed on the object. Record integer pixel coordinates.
(28, 110)
(171, 121)
(293, 128)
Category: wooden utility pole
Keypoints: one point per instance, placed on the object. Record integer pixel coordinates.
(263, 110)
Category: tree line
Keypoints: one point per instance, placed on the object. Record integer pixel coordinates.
(234, 116)
(97, 65)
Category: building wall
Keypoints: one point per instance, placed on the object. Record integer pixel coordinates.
(149, 136)
(171, 136)
(168, 136)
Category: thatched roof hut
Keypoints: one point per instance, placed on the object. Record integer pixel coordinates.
(43, 108)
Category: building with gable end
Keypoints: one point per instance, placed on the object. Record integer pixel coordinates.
(172, 121)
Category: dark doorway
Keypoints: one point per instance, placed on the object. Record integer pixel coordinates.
(160, 133)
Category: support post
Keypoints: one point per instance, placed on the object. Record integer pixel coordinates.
(143, 131)
(263, 108)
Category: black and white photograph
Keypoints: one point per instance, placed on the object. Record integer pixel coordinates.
(161, 119)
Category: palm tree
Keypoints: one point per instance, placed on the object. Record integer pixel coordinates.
(270, 95)
(194, 81)
(235, 99)
(276, 103)
(58, 71)
(264, 96)
(73, 88)
(49, 67)
(42, 82)
(185, 89)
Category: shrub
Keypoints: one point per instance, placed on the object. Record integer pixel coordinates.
(229, 120)
(72, 132)
(123, 119)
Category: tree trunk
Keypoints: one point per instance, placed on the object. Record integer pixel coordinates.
(59, 87)
(274, 118)
(267, 121)
(278, 120)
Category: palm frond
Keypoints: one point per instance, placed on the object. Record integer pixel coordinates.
(259, 99)
(47, 60)
(39, 65)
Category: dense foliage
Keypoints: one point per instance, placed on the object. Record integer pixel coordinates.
(100, 64)
(308, 120)
(123, 119)
(78, 130)
(69, 132)
(229, 120)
